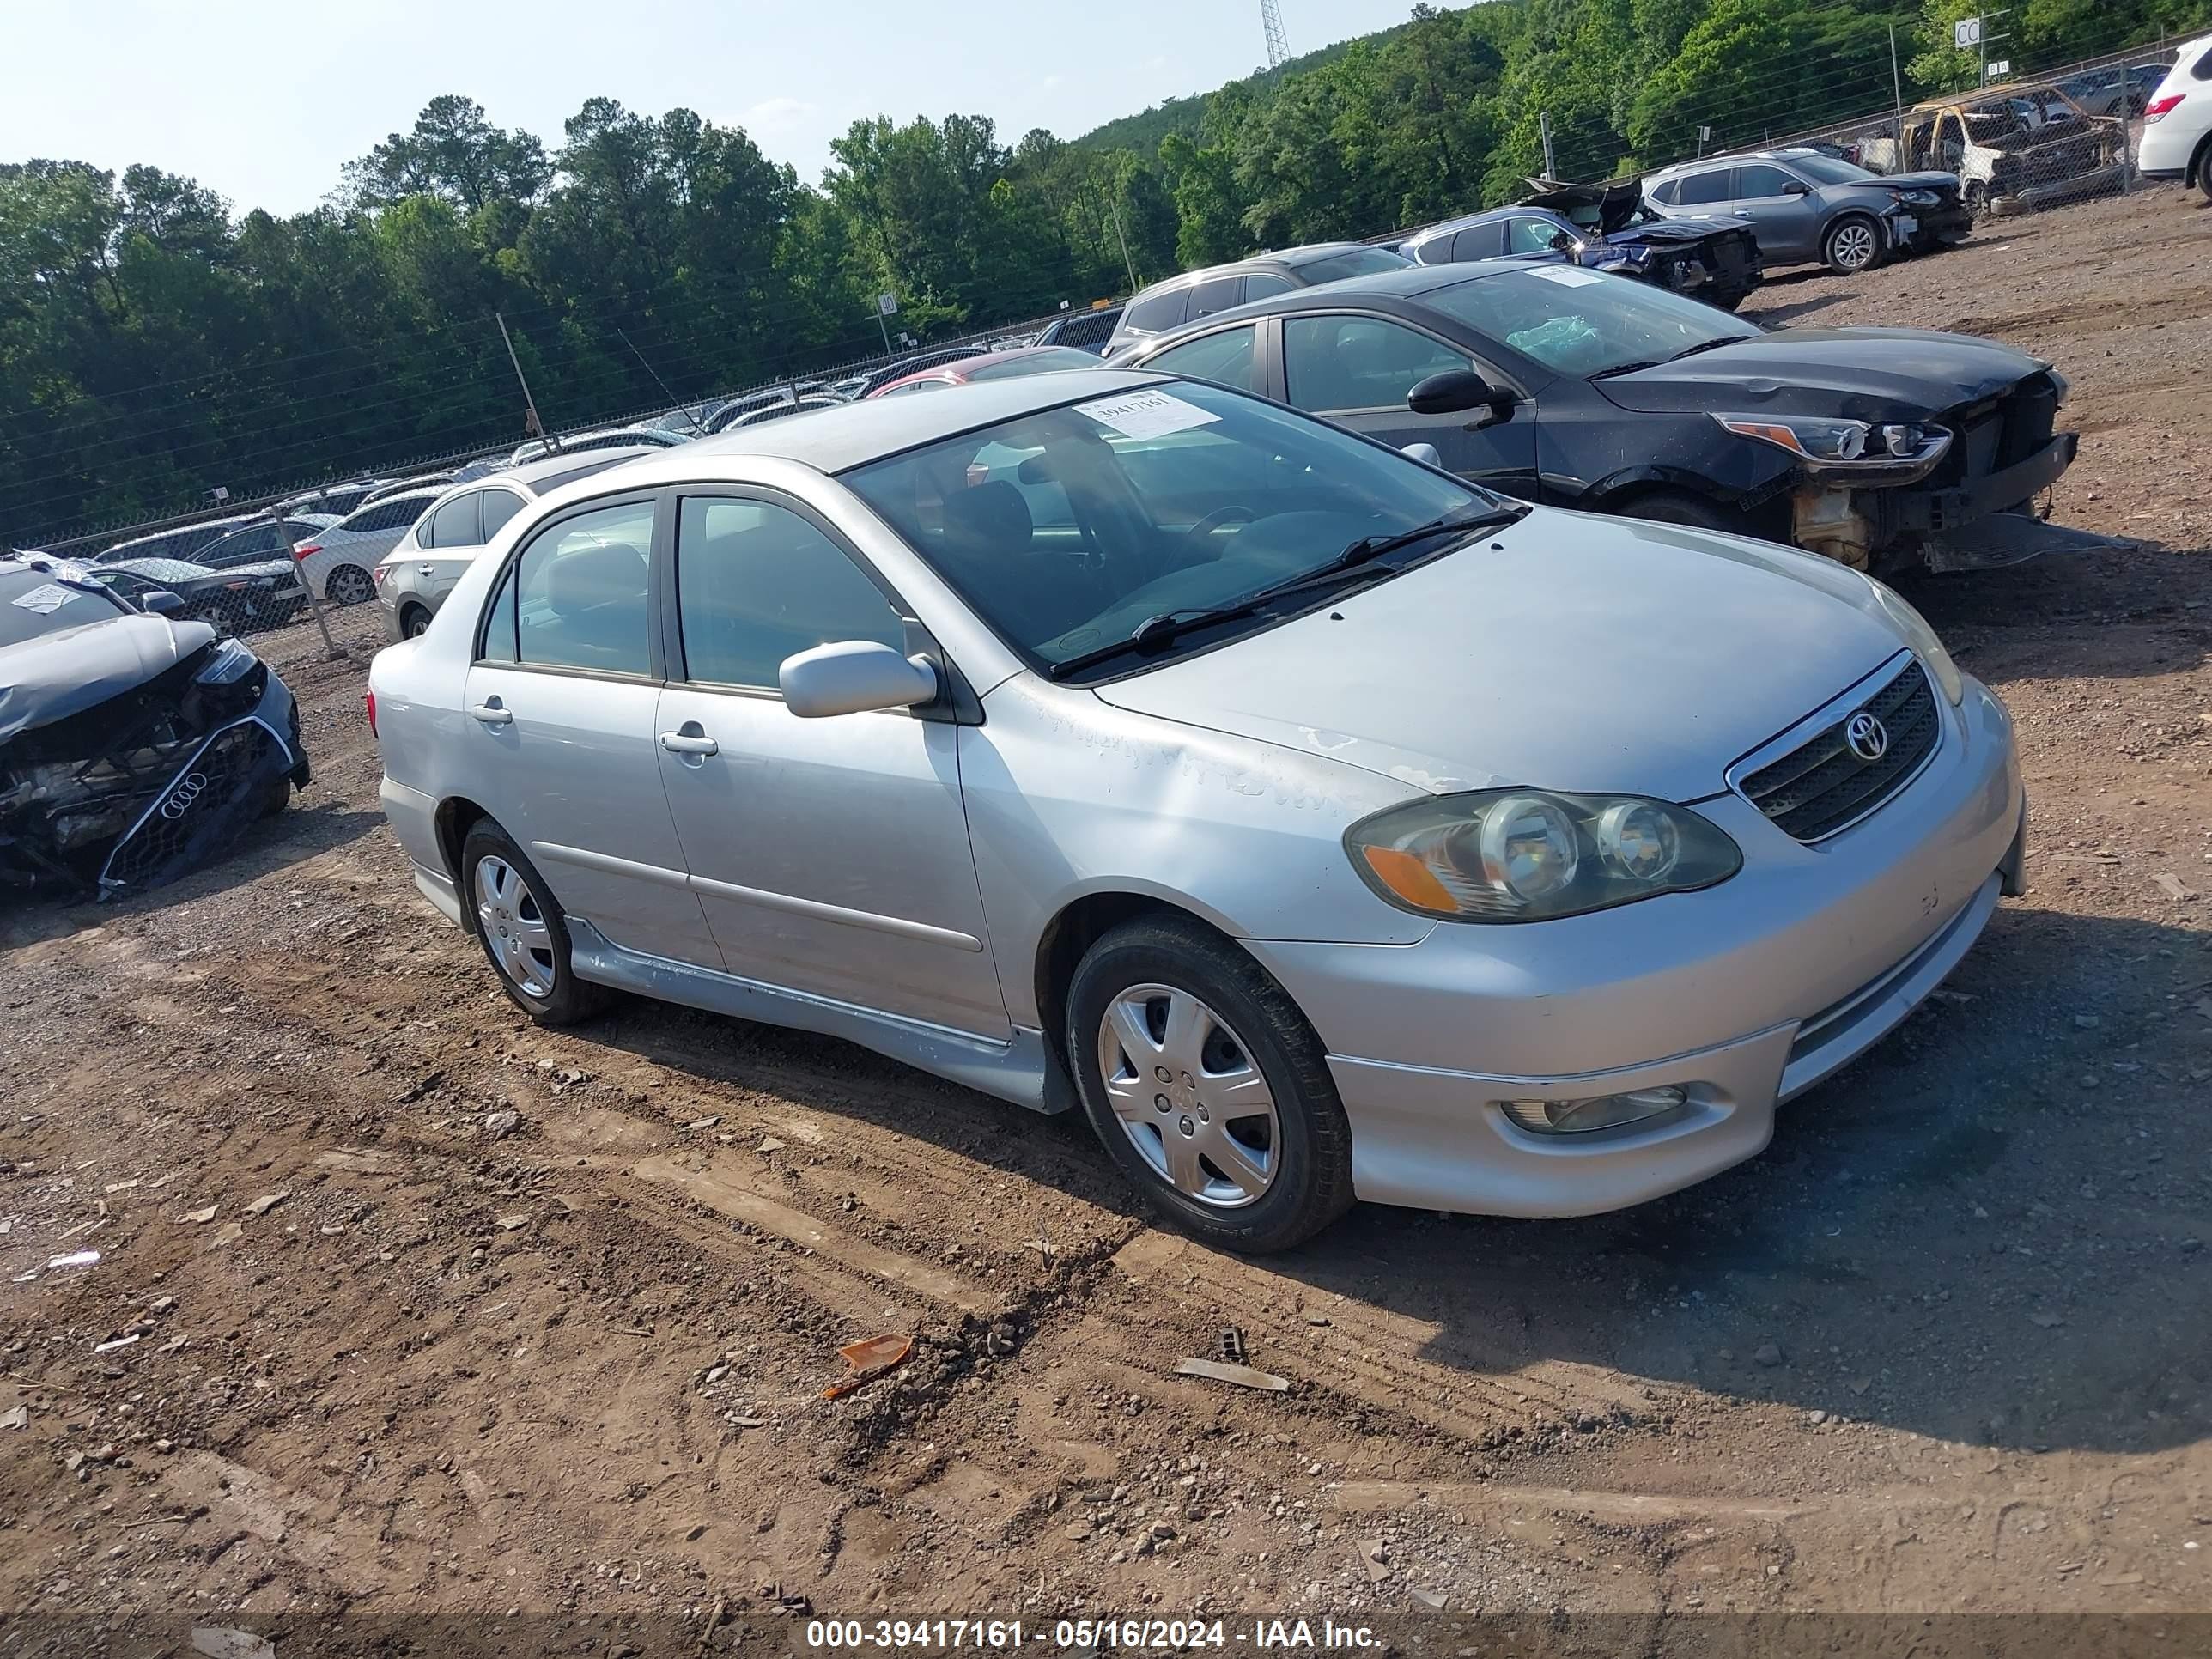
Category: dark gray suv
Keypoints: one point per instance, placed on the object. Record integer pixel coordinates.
(1195, 293)
(1806, 207)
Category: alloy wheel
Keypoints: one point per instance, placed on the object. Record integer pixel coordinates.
(1186, 1092)
(1855, 246)
(349, 586)
(513, 926)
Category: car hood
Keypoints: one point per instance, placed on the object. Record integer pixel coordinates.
(66, 672)
(1569, 651)
(1912, 181)
(1859, 373)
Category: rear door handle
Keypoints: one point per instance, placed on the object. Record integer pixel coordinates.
(428, 569)
(491, 714)
(677, 743)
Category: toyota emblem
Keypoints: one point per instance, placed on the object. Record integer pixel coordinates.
(1868, 737)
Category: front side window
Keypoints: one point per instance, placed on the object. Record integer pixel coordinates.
(1225, 358)
(1832, 170)
(454, 524)
(1182, 496)
(1358, 362)
(755, 583)
(1752, 184)
(1584, 322)
(1532, 236)
(1701, 188)
(581, 595)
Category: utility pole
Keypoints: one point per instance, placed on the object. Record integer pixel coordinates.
(1897, 91)
(536, 426)
(1543, 126)
(1114, 211)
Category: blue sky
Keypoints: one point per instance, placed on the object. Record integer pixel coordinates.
(264, 101)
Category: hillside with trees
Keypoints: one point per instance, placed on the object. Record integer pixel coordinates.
(156, 343)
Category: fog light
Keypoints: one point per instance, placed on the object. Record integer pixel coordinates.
(1580, 1117)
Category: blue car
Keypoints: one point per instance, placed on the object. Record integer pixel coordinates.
(1604, 228)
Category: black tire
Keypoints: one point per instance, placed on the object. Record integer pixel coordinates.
(1679, 507)
(1310, 1147)
(1851, 246)
(1729, 299)
(566, 999)
(278, 797)
(1976, 196)
(412, 620)
(2204, 165)
(349, 584)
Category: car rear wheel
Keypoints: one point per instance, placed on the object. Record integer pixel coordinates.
(1976, 195)
(1852, 245)
(2204, 169)
(412, 622)
(522, 932)
(1208, 1087)
(350, 585)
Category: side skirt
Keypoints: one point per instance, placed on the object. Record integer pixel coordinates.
(1020, 1071)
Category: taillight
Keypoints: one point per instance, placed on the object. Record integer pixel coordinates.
(304, 549)
(2159, 106)
(368, 699)
(378, 575)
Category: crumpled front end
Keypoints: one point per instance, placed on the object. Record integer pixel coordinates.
(137, 789)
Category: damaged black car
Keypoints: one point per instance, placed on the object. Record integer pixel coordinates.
(133, 746)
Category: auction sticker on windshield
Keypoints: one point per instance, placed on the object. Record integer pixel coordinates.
(1565, 278)
(50, 597)
(1150, 414)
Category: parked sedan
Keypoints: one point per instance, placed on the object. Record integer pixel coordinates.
(1806, 207)
(1580, 389)
(990, 366)
(238, 600)
(1605, 227)
(1171, 303)
(336, 562)
(413, 580)
(1121, 757)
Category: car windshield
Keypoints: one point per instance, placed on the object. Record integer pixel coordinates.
(1584, 322)
(1353, 262)
(1067, 528)
(1828, 170)
(35, 602)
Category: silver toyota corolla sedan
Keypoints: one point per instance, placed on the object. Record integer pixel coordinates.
(1321, 825)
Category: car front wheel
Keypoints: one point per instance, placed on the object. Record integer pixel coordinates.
(349, 586)
(1852, 245)
(1208, 1087)
(521, 927)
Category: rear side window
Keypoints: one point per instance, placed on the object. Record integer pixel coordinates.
(387, 515)
(581, 594)
(1155, 314)
(1225, 358)
(1703, 188)
(2202, 69)
(1666, 192)
(1479, 242)
(453, 525)
(755, 583)
(499, 622)
(1217, 293)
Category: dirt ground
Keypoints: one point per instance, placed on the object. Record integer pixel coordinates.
(1944, 1346)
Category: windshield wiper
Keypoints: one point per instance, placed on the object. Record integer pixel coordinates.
(1157, 632)
(1709, 345)
(1618, 369)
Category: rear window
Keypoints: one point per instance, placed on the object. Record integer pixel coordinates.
(1155, 314)
(1094, 329)
(1353, 262)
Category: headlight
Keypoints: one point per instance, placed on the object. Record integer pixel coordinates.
(1922, 638)
(1918, 198)
(1811, 436)
(231, 663)
(1531, 855)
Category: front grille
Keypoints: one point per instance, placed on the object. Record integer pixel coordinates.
(1821, 785)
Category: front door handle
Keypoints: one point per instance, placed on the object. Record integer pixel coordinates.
(684, 742)
(491, 714)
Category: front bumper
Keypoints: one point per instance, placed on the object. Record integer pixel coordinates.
(1741, 995)
(1938, 510)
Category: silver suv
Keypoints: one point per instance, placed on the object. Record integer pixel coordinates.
(1806, 207)
(415, 576)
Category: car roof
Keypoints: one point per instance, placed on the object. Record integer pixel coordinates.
(529, 473)
(833, 440)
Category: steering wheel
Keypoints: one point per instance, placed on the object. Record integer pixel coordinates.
(1200, 535)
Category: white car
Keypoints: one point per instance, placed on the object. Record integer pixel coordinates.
(2176, 135)
(615, 437)
(336, 563)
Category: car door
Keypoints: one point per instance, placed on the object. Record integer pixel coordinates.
(1355, 368)
(831, 855)
(1782, 209)
(559, 724)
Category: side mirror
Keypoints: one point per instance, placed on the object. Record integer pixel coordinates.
(851, 676)
(1449, 392)
(1797, 187)
(1426, 454)
(163, 603)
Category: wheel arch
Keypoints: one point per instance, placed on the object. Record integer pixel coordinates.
(409, 608)
(1078, 924)
(456, 815)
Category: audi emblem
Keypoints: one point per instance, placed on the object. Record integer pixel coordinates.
(184, 794)
(1868, 737)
